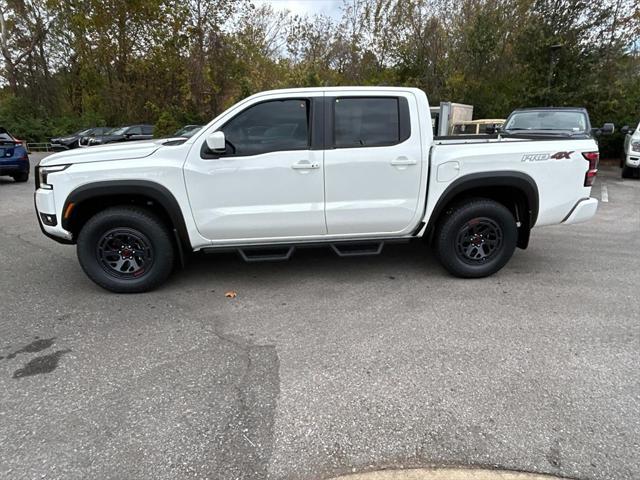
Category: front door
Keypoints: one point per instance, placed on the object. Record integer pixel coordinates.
(268, 184)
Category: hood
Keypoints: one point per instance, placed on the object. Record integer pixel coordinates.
(99, 153)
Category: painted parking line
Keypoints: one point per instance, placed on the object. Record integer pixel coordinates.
(447, 474)
(605, 193)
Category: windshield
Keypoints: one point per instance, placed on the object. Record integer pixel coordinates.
(548, 120)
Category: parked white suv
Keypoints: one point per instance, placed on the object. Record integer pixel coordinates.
(631, 165)
(351, 168)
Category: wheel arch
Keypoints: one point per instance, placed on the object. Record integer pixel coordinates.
(516, 190)
(86, 200)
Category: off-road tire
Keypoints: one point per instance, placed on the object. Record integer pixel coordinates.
(150, 246)
(496, 245)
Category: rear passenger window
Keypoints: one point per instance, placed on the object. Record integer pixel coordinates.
(366, 122)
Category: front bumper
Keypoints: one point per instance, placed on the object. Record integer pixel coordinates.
(46, 207)
(633, 160)
(582, 211)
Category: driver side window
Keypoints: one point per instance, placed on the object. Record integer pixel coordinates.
(274, 125)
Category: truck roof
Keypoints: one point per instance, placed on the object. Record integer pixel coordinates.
(349, 88)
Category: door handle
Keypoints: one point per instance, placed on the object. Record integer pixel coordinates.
(403, 161)
(305, 165)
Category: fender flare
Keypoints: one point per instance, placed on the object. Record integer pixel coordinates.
(156, 192)
(513, 179)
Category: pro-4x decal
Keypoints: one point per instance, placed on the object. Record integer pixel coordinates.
(561, 155)
(541, 157)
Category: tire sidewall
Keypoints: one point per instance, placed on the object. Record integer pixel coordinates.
(146, 224)
(451, 226)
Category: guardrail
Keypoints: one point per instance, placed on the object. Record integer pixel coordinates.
(39, 147)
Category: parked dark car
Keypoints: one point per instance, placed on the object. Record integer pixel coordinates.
(73, 141)
(553, 121)
(124, 134)
(84, 138)
(187, 131)
(14, 160)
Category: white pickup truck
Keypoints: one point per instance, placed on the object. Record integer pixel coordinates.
(631, 160)
(350, 168)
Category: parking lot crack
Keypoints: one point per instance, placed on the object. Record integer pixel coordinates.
(247, 441)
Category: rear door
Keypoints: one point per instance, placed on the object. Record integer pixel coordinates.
(373, 162)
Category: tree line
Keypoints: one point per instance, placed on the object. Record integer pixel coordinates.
(75, 63)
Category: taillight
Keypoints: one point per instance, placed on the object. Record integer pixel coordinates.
(590, 176)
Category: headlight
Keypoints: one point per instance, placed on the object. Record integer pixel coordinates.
(43, 174)
(635, 146)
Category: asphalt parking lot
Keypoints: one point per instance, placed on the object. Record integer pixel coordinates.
(322, 366)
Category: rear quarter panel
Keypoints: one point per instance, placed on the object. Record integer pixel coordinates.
(560, 181)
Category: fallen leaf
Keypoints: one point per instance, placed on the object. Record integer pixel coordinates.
(231, 294)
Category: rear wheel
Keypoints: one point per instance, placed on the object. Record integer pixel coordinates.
(476, 238)
(21, 177)
(125, 250)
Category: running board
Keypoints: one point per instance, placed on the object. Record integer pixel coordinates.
(279, 252)
(263, 254)
(357, 249)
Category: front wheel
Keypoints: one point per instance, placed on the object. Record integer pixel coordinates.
(476, 239)
(125, 250)
(628, 172)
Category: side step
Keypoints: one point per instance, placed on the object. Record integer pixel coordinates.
(263, 254)
(277, 253)
(357, 249)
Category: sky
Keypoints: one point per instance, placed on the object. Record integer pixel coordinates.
(330, 8)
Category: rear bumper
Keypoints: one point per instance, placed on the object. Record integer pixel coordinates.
(582, 211)
(11, 166)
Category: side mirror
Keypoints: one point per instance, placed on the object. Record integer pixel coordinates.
(607, 129)
(216, 142)
(625, 130)
(490, 129)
